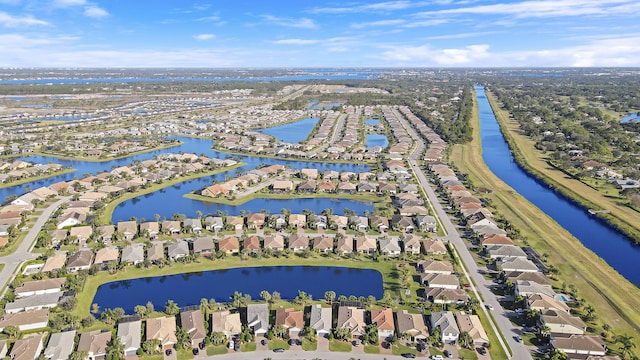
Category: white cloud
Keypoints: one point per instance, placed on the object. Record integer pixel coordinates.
(209, 18)
(545, 8)
(461, 35)
(68, 3)
(8, 20)
(290, 22)
(95, 12)
(444, 57)
(376, 7)
(390, 22)
(203, 37)
(296, 42)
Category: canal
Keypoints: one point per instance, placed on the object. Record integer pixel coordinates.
(616, 249)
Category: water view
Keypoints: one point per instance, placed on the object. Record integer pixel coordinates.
(618, 251)
(294, 132)
(631, 117)
(187, 289)
(377, 140)
(372, 121)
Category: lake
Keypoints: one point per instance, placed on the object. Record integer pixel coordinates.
(616, 249)
(293, 132)
(187, 289)
(630, 117)
(377, 140)
(148, 205)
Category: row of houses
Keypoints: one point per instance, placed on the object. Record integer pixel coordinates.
(16, 170)
(568, 332)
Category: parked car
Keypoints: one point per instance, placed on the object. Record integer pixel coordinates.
(482, 351)
(168, 352)
(517, 338)
(489, 306)
(408, 355)
(437, 357)
(263, 341)
(278, 350)
(195, 351)
(447, 353)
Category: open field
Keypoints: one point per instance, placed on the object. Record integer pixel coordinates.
(622, 216)
(615, 299)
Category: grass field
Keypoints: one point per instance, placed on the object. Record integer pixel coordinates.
(339, 346)
(615, 299)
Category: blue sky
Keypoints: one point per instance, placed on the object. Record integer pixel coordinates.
(310, 33)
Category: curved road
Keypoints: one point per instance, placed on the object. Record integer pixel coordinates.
(479, 285)
(14, 260)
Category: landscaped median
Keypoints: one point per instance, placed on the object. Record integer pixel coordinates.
(107, 212)
(614, 297)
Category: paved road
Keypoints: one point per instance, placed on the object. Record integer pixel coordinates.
(479, 285)
(13, 261)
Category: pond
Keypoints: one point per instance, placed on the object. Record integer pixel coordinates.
(293, 133)
(631, 117)
(187, 289)
(372, 121)
(377, 140)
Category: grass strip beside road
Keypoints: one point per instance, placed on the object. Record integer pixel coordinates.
(615, 299)
(107, 212)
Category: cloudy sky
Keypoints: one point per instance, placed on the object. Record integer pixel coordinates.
(312, 33)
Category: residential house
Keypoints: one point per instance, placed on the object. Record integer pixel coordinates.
(437, 280)
(155, 253)
(505, 251)
(411, 244)
(347, 188)
(516, 264)
(291, 319)
(317, 221)
(274, 242)
(39, 287)
(132, 254)
(150, 229)
(130, 335)
(171, 227)
(447, 324)
(345, 245)
(105, 233)
(402, 223)
(542, 302)
(525, 288)
(560, 322)
(27, 348)
(321, 319)
(496, 239)
(203, 246)
(193, 322)
(55, 262)
(352, 318)
(383, 318)
(380, 223)
(580, 346)
(251, 244)
(34, 302)
(366, 245)
(433, 247)
(178, 249)
(536, 277)
(471, 325)
(235, 222)
(298, 242)
(359, 223)
(227, 323)
(282, 186)
(256, 221)
(194, 225)
(278, 221)
(80, 260)
(323, 244)
(81, 233)
(297, 220)
(229, 245)
(163, 329)
(26, 320)
(213, 223)
(435, 267)
(340, 221)
(390, 247)
(426, 223)
(258, 318)
(60, 345)
(129, 229)
(326, 186)
(105, 256)
(95, 343)
(412, 325)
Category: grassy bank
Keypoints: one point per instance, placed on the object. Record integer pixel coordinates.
(615, 299)
(622, 217)
(107, 212)
(391, 281)
(36, 178)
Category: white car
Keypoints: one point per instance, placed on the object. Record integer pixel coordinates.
(489, 306)
(437, 357)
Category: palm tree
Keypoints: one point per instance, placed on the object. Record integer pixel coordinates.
(330, 296)
(543, 333)
(204, 307)
(627, 345)
(115, 350)
(171, 308)
(238, 299)
(466, 340)
(265, 295)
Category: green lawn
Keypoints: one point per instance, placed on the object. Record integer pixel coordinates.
(309, 345)
(246, 347)
(467, 354)
(184, 354)
(339, 346)
(216, 349)
(372, 349)
(398, 349)
(278, 343)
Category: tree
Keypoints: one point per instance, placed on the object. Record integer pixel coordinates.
(204, 307)
(265, 295)
(330, 296)
(79, 355)
(543, 333)
(280, 331)
(150, 307)
(466, 340)
(371, 335)
(237, 299)
(150, 347)
(171, 308)
(115, 349)
(342, 333)
(141, 310)
(183, 338)
(627, 345)
(218, 338)
(12, 331)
